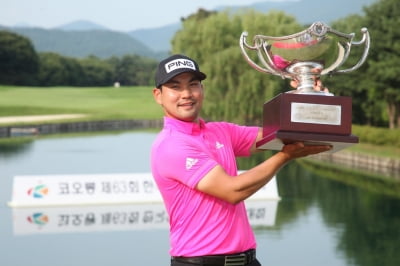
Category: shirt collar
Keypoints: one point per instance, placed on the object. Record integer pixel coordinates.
(184, 127)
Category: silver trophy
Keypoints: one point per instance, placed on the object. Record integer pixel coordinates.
(302, 114)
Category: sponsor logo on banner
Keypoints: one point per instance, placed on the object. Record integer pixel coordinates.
(38, 191)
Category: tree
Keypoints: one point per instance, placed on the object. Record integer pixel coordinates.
(199, 15)
(383, 19)
(96, 72)
(133, 70)
(18, 60)
(367, 107)
(234, 91)
(57, 70)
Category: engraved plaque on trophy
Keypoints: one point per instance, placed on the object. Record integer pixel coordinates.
(304, 114)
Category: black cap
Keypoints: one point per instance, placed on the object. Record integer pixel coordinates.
(175, 65)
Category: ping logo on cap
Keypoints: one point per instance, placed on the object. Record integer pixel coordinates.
(179, 63)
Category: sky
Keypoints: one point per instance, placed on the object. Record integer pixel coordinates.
(119, 15)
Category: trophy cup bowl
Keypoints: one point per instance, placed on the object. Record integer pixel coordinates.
(304, 114)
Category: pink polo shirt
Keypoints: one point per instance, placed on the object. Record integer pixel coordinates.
(182, 154)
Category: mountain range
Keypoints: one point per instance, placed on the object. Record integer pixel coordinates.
(84, 38)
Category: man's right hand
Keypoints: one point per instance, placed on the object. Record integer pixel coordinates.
(298, 150)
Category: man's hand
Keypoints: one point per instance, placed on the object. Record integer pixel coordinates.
(318, 86)
(298, 150)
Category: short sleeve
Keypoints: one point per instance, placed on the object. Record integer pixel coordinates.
(242, 138)
(182, 160)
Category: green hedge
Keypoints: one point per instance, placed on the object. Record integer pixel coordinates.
(378, 136)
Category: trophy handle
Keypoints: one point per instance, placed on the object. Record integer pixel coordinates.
(257, 45)
(366, 41)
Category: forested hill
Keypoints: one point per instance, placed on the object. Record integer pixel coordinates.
(305, 11)
(83, 38)
(101, 43)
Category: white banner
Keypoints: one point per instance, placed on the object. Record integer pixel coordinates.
(44, 190)
(58, 190)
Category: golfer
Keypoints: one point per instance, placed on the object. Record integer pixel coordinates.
(194, 165)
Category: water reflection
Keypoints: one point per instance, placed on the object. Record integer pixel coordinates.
(115, 217)
(13, 147)
(366, 225)
(319, 221)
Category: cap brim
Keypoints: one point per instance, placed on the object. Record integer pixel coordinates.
(200, 75)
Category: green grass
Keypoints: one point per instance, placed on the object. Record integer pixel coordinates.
(97, 103)
(109, 103)
(376, 150)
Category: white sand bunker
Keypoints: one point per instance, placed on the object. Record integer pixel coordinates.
(36, 118)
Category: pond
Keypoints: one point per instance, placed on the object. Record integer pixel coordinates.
(318, 221)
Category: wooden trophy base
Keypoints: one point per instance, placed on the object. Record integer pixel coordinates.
(277, 139)
(311, 118)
